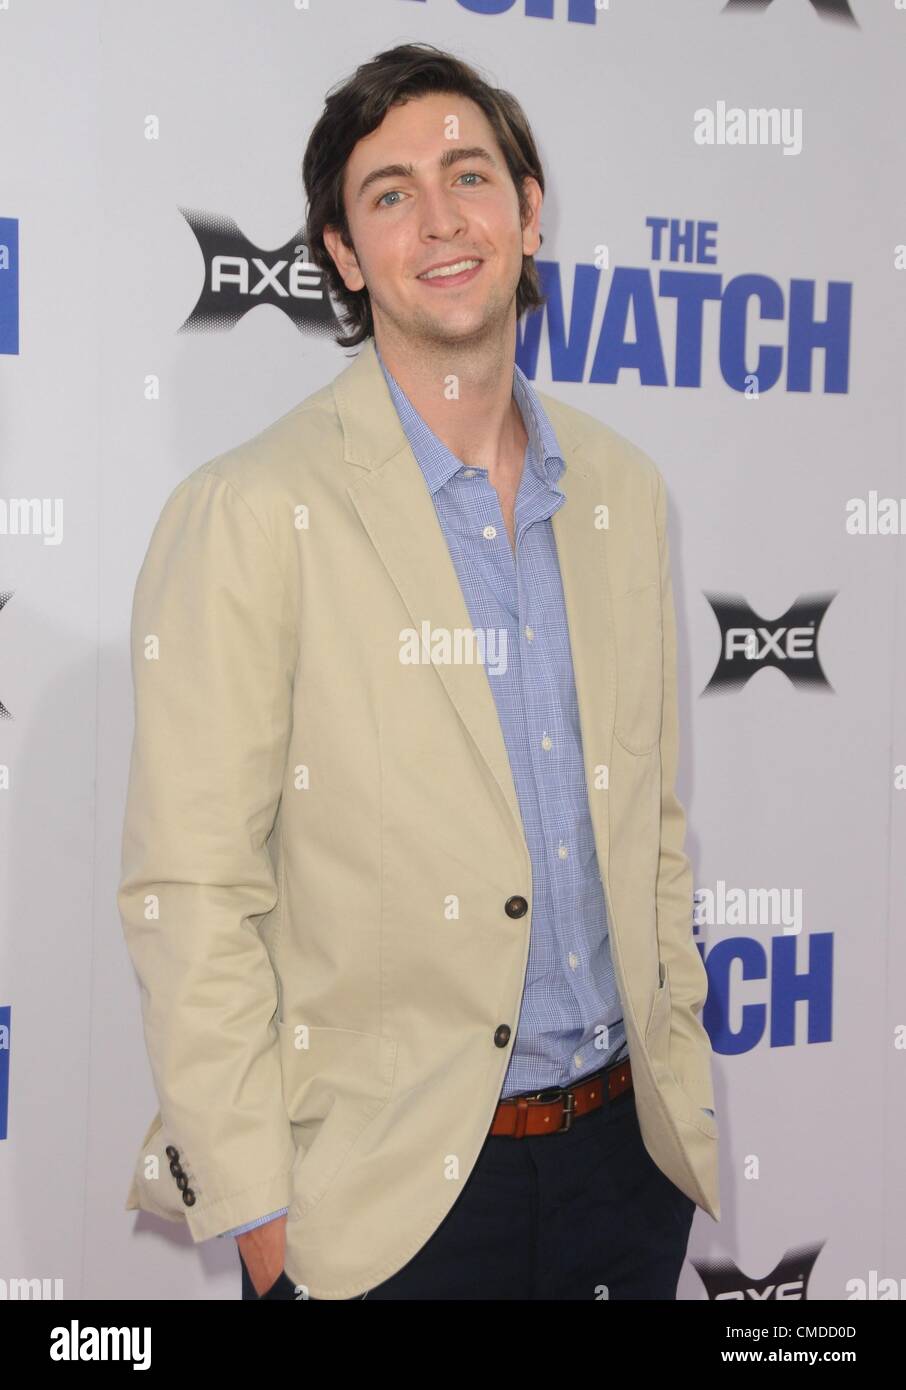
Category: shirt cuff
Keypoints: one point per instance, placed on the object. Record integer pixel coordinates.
(250, 1225)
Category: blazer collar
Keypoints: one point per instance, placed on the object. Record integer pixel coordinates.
(372, 432)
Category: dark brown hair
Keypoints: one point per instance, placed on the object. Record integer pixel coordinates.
(356, 107)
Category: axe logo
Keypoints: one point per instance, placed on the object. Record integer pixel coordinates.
(238, 275)
(788, 1280)
(748, 643)
(4, 600)
(827, 9)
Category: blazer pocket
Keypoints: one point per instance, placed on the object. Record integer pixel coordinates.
(332, 1088)
(639, 661)
(657, 1045)
(659, 1014)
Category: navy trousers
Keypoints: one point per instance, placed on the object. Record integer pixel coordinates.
(585, 1214)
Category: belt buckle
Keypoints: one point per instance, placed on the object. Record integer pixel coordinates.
(569, 1110)
(569, 1104)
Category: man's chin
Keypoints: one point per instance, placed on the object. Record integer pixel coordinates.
(453, 329)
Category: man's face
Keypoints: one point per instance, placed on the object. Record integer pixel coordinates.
(404, 223)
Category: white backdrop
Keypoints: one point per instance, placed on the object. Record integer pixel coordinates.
(119, 122)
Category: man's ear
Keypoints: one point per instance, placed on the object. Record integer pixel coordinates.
(531, 227)
(344, 258)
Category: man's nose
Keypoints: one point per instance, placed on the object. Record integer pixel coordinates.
(441, 214)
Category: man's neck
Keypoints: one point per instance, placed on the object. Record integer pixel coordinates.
(475, 414)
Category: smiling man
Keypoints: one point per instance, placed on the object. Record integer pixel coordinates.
(420, 991)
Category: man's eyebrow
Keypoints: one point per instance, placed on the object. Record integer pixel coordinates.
(449, 157)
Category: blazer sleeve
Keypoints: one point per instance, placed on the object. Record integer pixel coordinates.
(690, 1046)
(213, 650)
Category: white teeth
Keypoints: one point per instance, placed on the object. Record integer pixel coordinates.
(456, 269)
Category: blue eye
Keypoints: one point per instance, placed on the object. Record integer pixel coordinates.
(379, 202)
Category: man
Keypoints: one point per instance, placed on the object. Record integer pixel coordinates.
(403, 869)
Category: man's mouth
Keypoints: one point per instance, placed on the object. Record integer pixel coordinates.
(456, 270)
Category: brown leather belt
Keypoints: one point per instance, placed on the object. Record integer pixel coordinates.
(553, 1111)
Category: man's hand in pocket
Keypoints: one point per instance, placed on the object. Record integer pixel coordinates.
(263, 1250)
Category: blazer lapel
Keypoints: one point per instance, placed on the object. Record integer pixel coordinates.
(398, 514)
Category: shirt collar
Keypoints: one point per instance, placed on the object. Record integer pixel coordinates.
(438, 463)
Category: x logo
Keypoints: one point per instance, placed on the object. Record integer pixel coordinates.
(238, 276)
(787, 1280)
(828, 9)
(748, 642)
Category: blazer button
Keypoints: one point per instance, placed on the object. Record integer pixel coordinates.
(188, 1197)
(515, 907)
(502, 1035)
(175, 1168)
(171, 1152)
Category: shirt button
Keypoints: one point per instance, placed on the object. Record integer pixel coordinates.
(577, 1060)
(530, 633)
(562, 851)
(573, 960)
(547, 742)
(489, 532)
(469, 473)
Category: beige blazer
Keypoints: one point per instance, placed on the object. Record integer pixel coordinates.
(320, 840)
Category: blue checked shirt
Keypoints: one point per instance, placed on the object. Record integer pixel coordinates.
(570, 1022)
